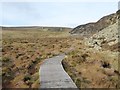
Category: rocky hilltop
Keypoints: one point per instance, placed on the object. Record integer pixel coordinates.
(106, 38)
(102, 34)
(92, 28)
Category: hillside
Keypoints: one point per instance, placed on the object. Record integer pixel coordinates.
(94, 62)
(104, 39)
(92, 28)
(107, 38)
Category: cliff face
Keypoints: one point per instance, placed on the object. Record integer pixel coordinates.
(92, 28)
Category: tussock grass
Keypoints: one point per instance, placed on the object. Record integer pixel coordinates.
(24, 51)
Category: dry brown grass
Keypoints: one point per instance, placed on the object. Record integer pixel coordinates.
(90, 68)
(24, 51)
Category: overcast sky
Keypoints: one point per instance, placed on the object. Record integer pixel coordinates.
(66, 14)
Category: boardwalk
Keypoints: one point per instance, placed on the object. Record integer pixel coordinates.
(52, 74)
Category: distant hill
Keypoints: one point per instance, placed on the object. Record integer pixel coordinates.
(92, 28)
(37, 28)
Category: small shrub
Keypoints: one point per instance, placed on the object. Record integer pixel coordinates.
(7, 75)
(34, 61)
(84, 56)
(27, 78)
(105, 64)
(6, 59)
(18, 55)
(38, 59)
(78, 82)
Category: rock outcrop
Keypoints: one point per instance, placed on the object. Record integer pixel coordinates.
(92, 28)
